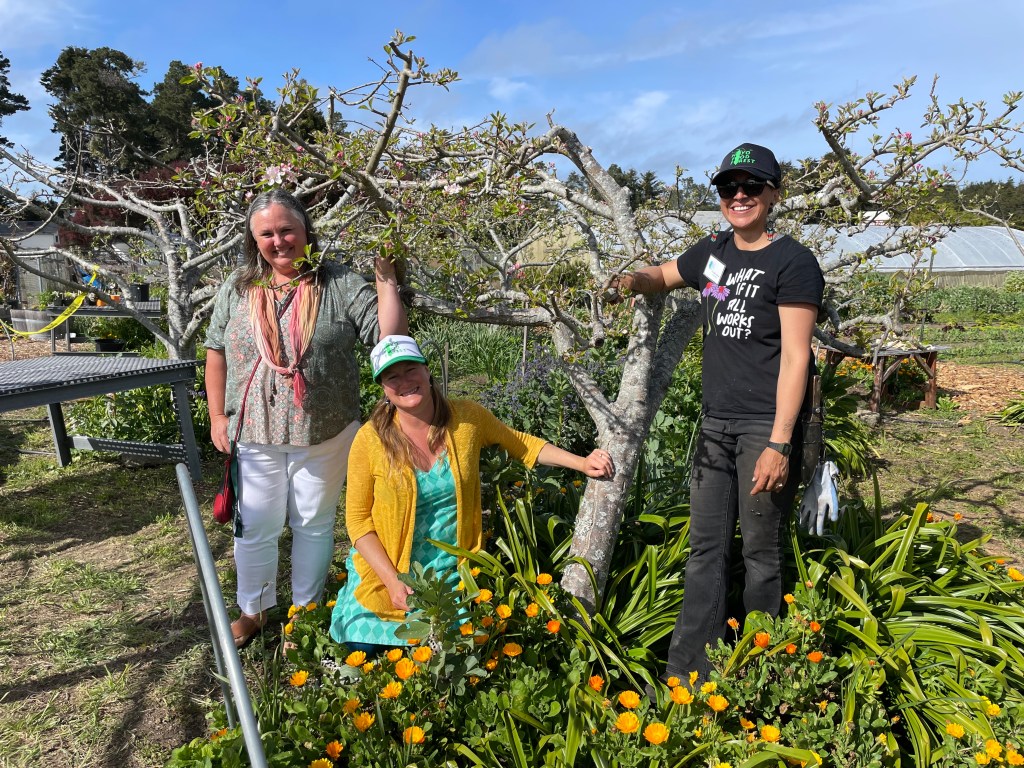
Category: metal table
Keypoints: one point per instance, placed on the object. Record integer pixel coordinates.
(51, 381)
(149, 308)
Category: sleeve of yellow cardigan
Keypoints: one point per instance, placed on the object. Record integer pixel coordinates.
(519, 445)
(359, 488)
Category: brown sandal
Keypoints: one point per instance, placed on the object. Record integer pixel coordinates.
(245, 628)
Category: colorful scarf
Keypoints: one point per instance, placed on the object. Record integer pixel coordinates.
(264, 317)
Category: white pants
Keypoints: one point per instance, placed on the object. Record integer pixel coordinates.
(297, 484)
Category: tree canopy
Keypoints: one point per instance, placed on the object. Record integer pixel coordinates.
(10, 102)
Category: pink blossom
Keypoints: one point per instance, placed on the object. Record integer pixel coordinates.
(452, 189)
(198, 66)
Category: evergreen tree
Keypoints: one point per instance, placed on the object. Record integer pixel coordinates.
(9, 102)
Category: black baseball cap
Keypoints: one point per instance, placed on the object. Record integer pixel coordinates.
(756, 160)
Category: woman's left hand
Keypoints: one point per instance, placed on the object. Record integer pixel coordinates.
(770, 472)
(598, 465)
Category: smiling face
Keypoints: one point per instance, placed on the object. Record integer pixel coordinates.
(280, 237)
(748, 215)
(407, 385)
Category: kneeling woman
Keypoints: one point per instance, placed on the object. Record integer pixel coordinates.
(413, 475)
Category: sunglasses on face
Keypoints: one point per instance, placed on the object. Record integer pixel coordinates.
(750, 187)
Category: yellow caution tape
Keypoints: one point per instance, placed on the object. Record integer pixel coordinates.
(72, 308)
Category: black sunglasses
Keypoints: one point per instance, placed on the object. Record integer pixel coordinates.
(751, 188)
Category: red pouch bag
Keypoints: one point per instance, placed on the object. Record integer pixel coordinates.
(225, 503)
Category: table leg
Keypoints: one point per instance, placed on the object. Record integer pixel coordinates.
(875, 401)
(931, 395)
(60, 433)
(188, 433)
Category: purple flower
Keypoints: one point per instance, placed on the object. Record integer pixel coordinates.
(708, 289)
(720, 292)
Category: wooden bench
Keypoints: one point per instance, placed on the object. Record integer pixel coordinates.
(886, 361)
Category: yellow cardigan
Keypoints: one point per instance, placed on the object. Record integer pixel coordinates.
(376, 502)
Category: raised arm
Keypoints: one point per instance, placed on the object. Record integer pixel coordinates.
(390, 313)
(656, 279)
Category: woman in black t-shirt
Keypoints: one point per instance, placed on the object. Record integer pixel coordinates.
(760, 296)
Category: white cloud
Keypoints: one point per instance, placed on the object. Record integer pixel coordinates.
(30, 24)
(503, 89)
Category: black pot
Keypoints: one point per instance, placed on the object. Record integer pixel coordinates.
(138, 291)
(110, 345)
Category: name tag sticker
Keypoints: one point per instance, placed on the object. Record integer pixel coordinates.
(714, 270)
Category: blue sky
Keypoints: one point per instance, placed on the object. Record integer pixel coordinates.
(649, 85)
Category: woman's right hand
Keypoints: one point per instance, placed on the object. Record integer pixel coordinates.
(219, 433)
(399, 593)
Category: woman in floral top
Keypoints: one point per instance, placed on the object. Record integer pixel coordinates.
(281, 351)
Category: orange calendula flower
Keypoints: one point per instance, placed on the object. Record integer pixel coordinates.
(298, 679)
(982, 759)
(791, 649)
(391, 690)
(414, 641)
(292, 610)
(532, 610)
(310, 606)
(789, 599)
(474, 572)
(341, 576)
(543, 579)
(682, 695)
(484, 596)
(629, 699)
(363, 721)
(673, 681)
(405, 668)
(394, 655)
(745, 724)
(955, 730)
(733, 623)
(422, 654)
(1014, 574)
(992, 710)
(770, 733)
(289, 628)
(491, 664)
(815, 656)
(656, 733)
(627, 722)
(368, 667)
(413, 735)
(466, 629)
(218, 734)
(333, 749)
(480, 639)
(553, 626)
(350, 706)
(762, 639)
(693, 677)
(1013, 757)
(487, 622)
(356, 658)
(596, 682)
(815, 626)
(512, 650)
(958, 516)
(718, 703)
(930, 518)
(503, 611)
(320, 762)
(993, 748)
(709, 687)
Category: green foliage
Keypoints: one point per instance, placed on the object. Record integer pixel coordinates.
(478, 355)
(670, 442)
(847, 439)
(1013, 413)
(972, 302)
(1014, 283)
(10, 102)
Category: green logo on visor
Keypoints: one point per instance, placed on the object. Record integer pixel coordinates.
(741, 157)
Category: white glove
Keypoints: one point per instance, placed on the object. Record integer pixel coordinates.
(820, 498)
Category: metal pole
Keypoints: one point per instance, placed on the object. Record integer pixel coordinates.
(220, 626)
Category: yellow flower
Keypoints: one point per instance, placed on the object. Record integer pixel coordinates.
(474, 572)
(993, 749)
(733, 624)
(503, 611)
(422, 654)
(553, 626)
(331, 603)
(484, 596)
(629, 699)
(355, 659)
(413, 735)
(363, 721)
(394, 655)
(391, 690)
(789, 599)
(491, 664)
(822, 705)
(693, 677)
(1013, 757)
(466, 629)
(718, 703)
(321, 762)
(414, 641)
(292, 610)
(673, 681)
(1014, 574)
(532, 610)
(340, 576)
(487, 622)
(543, 579)
(512, 650)
(982, 759)
(627, 722)
(770, 733)
(289, 628)
(723, 765)
(656, 733)
(682, 695)
(596, 682)
(955, 730)
(350, 706)
(367, 667)
(333, 749)
(461, 585)
(992, 710)
(298, 679)
(958, 516)
(708, 687)
(405, 668)
(310, 606)
(745, 724)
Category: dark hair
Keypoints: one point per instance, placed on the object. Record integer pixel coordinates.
(255, 266)
(397, 447)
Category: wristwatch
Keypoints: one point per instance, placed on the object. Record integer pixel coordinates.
(784, 448)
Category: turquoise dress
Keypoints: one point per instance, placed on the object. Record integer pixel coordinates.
(436, 518)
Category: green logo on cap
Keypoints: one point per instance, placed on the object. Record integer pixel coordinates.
(389, 348)
(741, 157)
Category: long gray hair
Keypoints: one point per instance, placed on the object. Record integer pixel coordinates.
(255, 267)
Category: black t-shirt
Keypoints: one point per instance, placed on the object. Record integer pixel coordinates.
(740, 296)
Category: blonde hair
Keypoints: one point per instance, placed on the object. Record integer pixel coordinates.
(397, 447)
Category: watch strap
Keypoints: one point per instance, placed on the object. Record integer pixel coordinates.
(784, 448)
